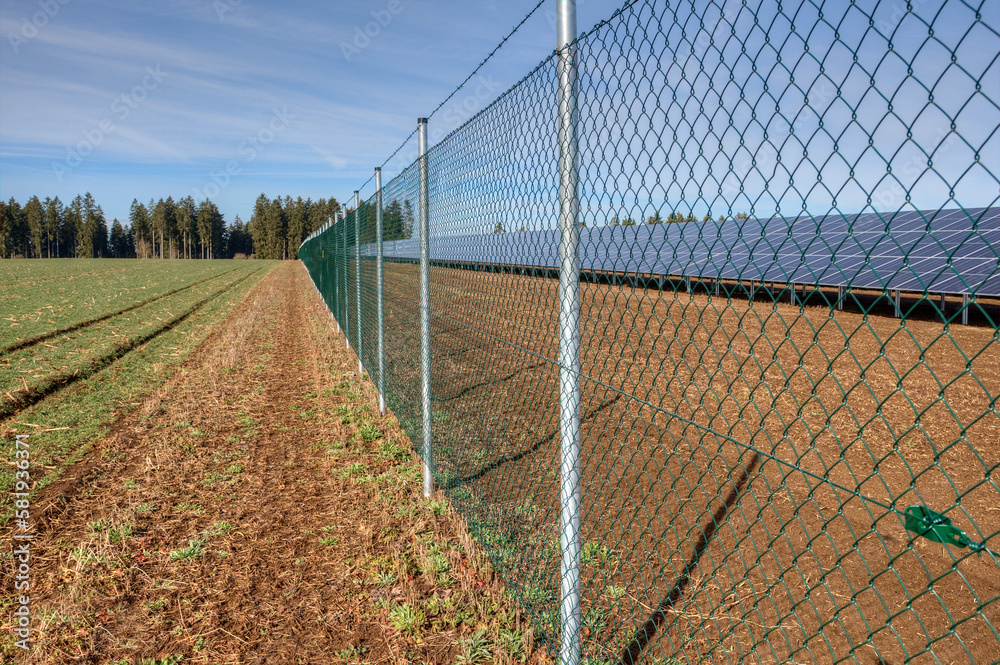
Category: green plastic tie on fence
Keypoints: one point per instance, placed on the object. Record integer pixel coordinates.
(936, 527)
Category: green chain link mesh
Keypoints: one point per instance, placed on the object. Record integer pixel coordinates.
(790, 439)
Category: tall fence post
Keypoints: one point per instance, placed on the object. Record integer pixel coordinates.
(379, 284)
(335, 296)
(357, 277)
(569, 338)
(346, 300)
(425, 306)
(331, 260)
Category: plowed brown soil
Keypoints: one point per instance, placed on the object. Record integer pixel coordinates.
(747, 464)
(257, 509)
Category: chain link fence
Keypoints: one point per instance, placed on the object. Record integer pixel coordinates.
(789, 298)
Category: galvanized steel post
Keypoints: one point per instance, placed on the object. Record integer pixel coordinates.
(379, 283)
(357, 277)
(332, 260)
(569, 337)
(425, 307)
(347, 302)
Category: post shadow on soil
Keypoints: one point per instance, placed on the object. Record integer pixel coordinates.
(533, 448)
(465, 391)
(633, 652)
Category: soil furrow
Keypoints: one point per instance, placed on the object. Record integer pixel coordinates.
(51, 385)
(258, 509)
(83, 324)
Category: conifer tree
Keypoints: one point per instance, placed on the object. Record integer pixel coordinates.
(34, 218)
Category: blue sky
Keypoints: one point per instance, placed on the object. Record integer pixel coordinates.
(143, 98)
(230, 98)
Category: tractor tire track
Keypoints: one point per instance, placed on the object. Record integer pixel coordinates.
(83, 324)
(48, 387)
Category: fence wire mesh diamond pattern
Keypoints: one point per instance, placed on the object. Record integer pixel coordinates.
(790, 331)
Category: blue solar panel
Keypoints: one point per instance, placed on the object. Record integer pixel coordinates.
(946, 251)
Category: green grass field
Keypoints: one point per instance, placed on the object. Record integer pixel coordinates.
(84, 341)
(45, 296)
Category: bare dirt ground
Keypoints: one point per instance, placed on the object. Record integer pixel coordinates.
(746, 466)
(258, 509)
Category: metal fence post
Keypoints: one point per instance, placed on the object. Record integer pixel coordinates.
(331, 260)
(346, 300)
(357, 277)
(569, 338)
(425, 307)
(335, 282)
(378, 288)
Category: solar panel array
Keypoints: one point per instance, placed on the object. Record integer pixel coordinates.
(950, 251)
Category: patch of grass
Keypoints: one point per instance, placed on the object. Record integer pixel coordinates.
(194, 549)
(329, 541)
(191, 507)
(130, 484)
(614, 592)
(368, 432)
(536, 595)
(350, 652)
(247, 421)
(119, 533)
(354, 470)
(389, 449)
(594, 621)
(437, 507)
(434, 563)
(528, 508)
(146, 508)
(596, 554)
(406, 618)
(83, 555)
(474, 648)
(234, 469)
(385, 578)
(336, 448)
(512, 642)
(220, 529)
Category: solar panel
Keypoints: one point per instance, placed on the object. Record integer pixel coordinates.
(947, 251)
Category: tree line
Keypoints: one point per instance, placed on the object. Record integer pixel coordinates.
(278, 226)
(672, 218)
(185, 229)
(165, 228)
(50, 229)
